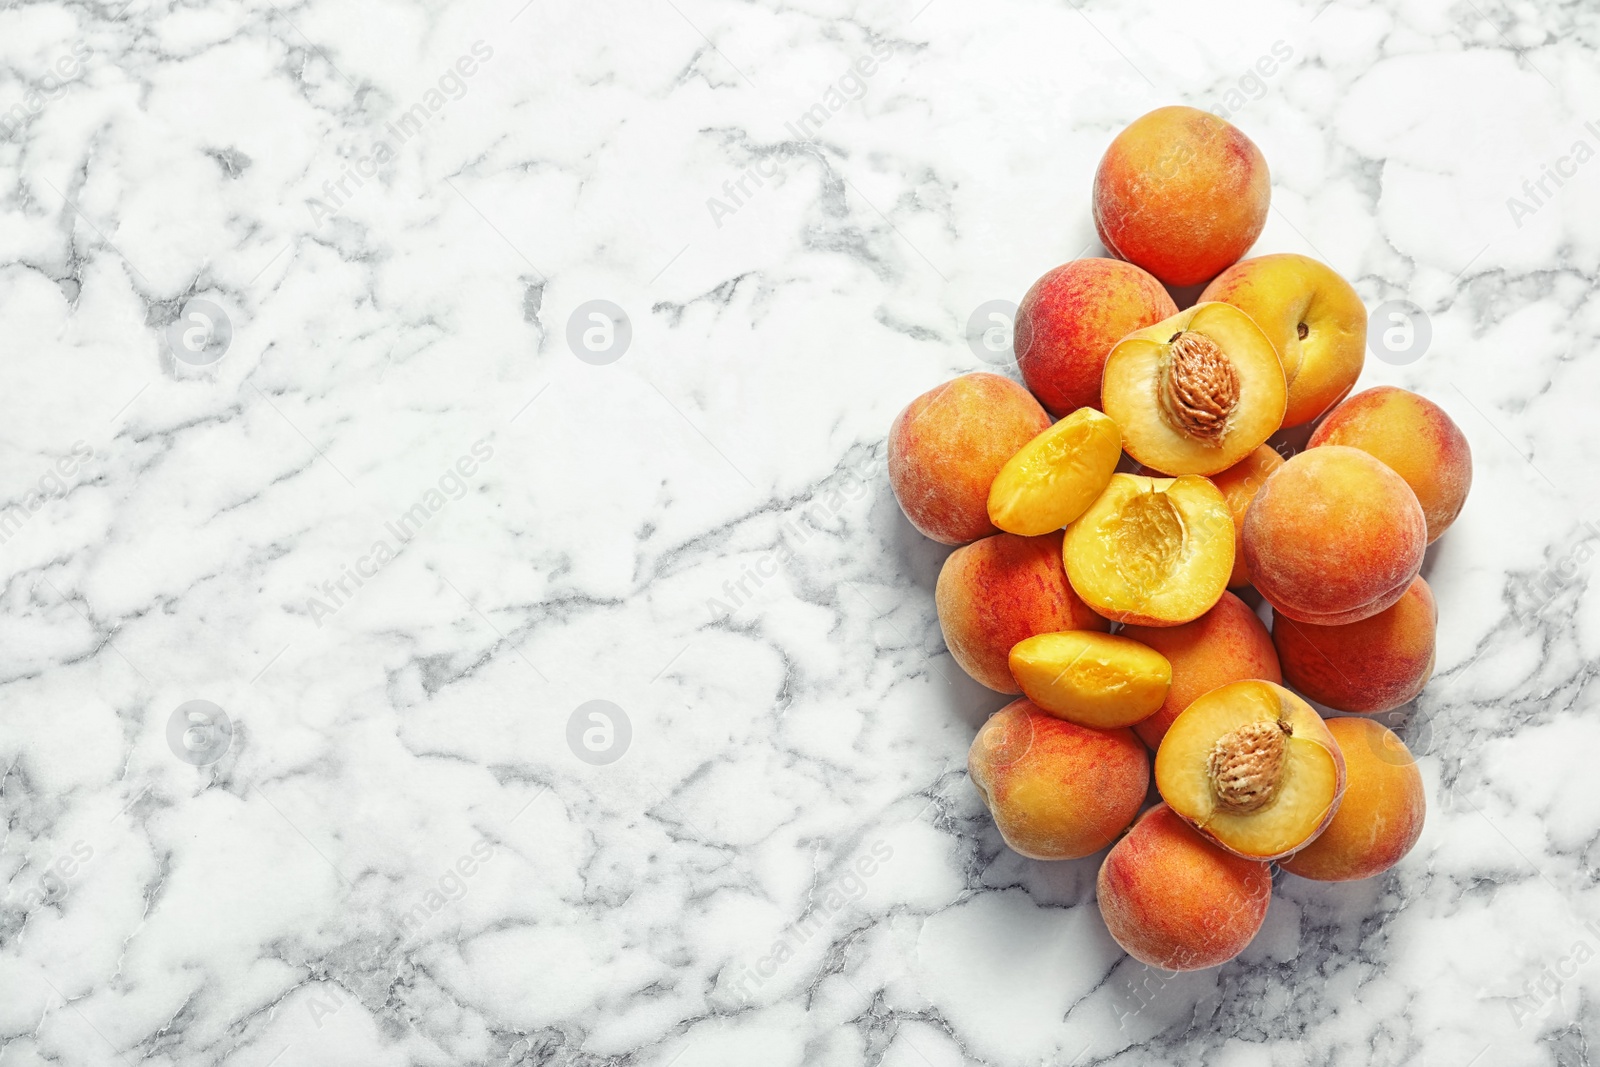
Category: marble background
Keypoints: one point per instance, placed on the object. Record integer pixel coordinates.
(306, 417)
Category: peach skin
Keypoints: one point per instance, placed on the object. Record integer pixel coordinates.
(1226, 644)
(1239, 485)
(1313, 318)
(1381, 815)
(1001, 590)
(1057, 791)
(1333, 536)
(1070, 318)
(948, 444)
(1174, 900)
(1375, 664)
(1181, 193)
(1414, 438)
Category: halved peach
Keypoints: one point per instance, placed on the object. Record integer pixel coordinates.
(1152, 551)
(1090, 678)
(1196, 393)
(1254, 768)
(1057, 475)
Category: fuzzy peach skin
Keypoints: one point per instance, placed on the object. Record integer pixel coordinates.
(1181, 193)
(1070, 318)
(1057, 790)
(1333, 536)
(1415, 438)
(1381, 815)
(948, 444)
(1174, 900)
(1376, 664)
(1239, 485)
(1001, 590)
(1314, 319)
(1226, 644)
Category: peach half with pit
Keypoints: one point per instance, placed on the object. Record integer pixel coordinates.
(1152, 551)
(1055, 477)
(1057, 790)
(1252, 767)
(1314, 319)
(1176, 901)
(1196, 393)
(1092, 679)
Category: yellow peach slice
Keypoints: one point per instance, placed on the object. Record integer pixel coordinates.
(1151, 551)
(1254, 768)
(1196, 393)
(1090, 678)
(1057, 475)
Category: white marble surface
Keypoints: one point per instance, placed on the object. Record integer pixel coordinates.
(399, 859)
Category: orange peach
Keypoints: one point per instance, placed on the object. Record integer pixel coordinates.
(1333, 536)
(1415, 438)
(1239, 485)
(1001, 590)
(1226, 644)
(1182, 193)
(1375, 664)
(947, 446)
(1070, 318)
(1057, 790)
(1381, 815)
(1174, 900)
(1312, 316)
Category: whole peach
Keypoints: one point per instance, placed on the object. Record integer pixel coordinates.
(948, 444)
(1057, 790)
(1226, 644)
(1374, 664)
(1182, 193)
(1000, 590)
(1415, 438)
(1174, 900)
(1381, 815)
(1070, 318)
(1333, 536)
(1239, 485)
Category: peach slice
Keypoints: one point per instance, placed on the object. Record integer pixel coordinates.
(1312, 316)
(1196, 393)
(1381, 815)
(1174, 900)
(1254, 768)
(1413, 437)
(1152, 551)
(1057, 790)
(1092, 679)
(1374, 664)
(1057, 475)
(1239, 485)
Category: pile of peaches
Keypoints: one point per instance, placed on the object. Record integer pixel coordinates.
(1064, 540)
